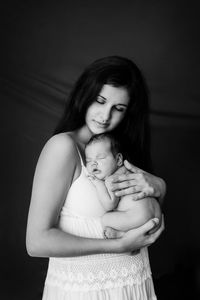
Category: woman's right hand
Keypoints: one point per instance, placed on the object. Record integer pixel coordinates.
(142, 236)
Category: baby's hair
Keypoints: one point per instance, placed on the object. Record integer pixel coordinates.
(114, 143)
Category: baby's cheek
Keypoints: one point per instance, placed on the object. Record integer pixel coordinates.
(89, 168)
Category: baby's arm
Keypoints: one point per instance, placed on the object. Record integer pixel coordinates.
(103, 195)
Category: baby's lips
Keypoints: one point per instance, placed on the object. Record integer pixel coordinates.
(95, 171)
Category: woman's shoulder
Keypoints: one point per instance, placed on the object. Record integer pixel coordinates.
(60, 146)
(61, 140)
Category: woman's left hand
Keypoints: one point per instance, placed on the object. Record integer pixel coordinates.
(137, 182)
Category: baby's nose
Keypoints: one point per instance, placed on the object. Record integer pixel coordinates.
(94, 163)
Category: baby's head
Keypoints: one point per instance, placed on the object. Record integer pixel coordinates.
(102, 155)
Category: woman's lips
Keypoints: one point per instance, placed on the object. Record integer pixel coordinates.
(102, 125)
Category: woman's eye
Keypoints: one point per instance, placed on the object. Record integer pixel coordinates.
(100, 100)
(121, 109)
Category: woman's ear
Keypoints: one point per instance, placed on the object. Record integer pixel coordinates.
(119, 159)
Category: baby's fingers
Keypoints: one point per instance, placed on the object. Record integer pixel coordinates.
(91, 177)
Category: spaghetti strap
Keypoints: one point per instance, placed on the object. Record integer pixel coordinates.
(81, 159)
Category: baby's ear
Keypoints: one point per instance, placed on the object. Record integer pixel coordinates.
(119, 158)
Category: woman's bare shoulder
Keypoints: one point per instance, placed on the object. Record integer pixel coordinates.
(61, 142)
(59, 147)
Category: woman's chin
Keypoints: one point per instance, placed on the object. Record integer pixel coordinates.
(98, 130)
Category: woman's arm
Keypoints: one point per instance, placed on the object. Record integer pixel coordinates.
(56, 169)
(137, 182)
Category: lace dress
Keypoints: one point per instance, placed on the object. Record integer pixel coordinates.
(95, 277)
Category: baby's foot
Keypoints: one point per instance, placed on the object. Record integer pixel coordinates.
(110, 233)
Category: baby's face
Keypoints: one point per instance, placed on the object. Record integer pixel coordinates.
(99, 159)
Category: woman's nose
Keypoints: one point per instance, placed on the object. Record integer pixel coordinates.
(106, 114)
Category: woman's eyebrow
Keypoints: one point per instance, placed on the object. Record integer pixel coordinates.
(121, 104)
(102, 97)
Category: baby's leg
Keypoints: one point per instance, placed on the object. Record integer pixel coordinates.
(115, 223)
(118, 220)
(140, 212)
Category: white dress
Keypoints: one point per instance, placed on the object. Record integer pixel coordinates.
(123, 276)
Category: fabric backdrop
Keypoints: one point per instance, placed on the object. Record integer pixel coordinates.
(45, 45)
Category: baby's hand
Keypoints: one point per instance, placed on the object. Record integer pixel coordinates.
(94, 180)
(91, 177)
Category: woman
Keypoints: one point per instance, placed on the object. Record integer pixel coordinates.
(64, 217)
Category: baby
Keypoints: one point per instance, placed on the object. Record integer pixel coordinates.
(102, 160)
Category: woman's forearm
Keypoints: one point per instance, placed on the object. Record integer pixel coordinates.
(57, 243)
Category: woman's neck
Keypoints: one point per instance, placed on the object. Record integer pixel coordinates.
(82, 136)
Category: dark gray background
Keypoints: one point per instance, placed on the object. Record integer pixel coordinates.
(44, 47)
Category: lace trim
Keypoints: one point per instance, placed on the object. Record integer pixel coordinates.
(98, 274)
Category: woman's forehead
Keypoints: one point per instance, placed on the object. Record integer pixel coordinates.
(119, 95)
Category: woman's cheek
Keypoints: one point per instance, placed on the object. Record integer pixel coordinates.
(118, 118)
(90, 111)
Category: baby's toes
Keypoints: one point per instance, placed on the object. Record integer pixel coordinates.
(110, 233)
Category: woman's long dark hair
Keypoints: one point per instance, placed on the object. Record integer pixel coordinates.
(133, 131)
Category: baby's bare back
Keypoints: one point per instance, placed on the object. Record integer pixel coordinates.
(139, 212)
(130, 214)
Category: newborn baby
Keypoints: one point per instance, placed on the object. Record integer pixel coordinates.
(102, 160)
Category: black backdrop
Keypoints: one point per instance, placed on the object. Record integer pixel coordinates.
(44, 47)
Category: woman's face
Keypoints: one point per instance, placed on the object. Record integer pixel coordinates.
(107, 111)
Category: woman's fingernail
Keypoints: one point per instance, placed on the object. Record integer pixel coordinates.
(156, 221)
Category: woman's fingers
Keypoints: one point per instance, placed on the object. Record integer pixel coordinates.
(138, 238)
(113, 183)
(149, 225)
(123, 177)
(137, 183)
(124, 184)
(152, 237)
(141, 195)
(117, 182)
(128, 191)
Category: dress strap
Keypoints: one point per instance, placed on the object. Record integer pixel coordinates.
(81, 159)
